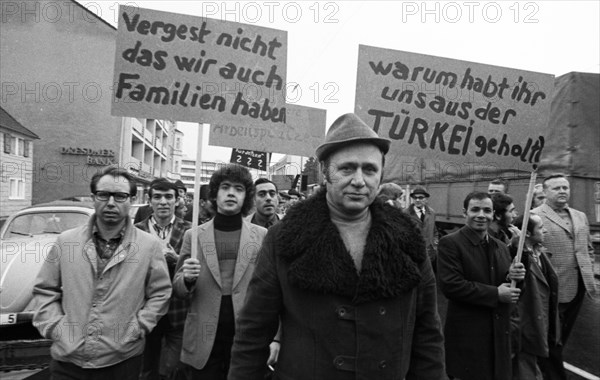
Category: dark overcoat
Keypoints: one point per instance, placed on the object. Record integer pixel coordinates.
(428, 229)
(538, 306)
(336, 323)
(477, 328)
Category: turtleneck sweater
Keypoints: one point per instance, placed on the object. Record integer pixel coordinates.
(227, 240)
(353, 229)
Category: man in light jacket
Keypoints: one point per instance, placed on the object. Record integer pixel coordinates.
(102, 288)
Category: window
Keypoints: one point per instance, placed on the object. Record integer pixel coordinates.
(16, 189)
(16, 146)
(178, 143)
(7, 143)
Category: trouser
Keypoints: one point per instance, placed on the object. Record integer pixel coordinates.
(527, 367)
(552, 367)
(217, 366)
(161, 359)
(128, 369)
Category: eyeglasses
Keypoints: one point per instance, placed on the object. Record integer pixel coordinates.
(419, 197)
(158, 197)
(105, 196)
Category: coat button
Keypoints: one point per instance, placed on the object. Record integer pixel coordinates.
(382, 364)
(382, 310)
(341, 311)
(338, 362)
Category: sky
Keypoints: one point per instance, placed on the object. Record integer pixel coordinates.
(553, 37)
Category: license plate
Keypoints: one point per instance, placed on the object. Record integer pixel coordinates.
(8, 319)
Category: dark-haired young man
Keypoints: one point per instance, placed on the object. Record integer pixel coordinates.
(215, 278)
(501, 226)
(474, 272)
(266, 201)
(104, 290)
(169, 229)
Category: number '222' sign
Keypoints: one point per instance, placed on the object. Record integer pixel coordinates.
(249, 158)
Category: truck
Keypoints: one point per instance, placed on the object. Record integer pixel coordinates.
(572, 148)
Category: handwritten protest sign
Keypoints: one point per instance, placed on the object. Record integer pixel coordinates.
(178, 67)
(250, 159)
(452, 111)
(301, 134)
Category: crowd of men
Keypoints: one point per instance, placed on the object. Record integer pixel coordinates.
(343, 286)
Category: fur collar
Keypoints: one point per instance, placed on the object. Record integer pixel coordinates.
(318, 260)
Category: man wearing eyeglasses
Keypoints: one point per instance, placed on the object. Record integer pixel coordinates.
(166, 226)
(102, 288)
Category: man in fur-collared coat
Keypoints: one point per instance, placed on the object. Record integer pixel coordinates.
(347, 277)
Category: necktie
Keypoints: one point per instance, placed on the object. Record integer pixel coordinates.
(422, 216)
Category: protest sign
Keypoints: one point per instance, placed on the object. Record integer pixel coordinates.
(185, 68)
(282, 181)
(249, 158)
(301, 134)
(437, 109)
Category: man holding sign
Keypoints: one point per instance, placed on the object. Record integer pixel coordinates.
(345, 275)
(475, 271)
(216, 278)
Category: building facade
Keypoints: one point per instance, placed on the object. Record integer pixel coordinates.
(16, 163)
(188, 172)
(57, 73)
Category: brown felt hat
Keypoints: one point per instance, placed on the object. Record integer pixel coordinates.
(347, 129)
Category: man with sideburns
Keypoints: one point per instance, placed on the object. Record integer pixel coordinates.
(474, 272)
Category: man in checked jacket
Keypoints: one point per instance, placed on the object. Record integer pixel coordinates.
(571, 252)
(170, 229)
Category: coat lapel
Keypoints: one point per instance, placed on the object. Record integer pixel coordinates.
(555, 218)
(89, 250)
(537, 271)
(319, 261)
(208, 247)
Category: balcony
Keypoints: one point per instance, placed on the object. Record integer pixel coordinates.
(137, 126)
(148, 135)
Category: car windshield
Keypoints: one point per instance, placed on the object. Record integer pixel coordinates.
(44, 223)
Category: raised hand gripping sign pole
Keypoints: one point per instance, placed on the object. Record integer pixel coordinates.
(528, 200)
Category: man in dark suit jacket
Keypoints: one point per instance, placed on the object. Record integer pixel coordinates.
(475, 270)
(170, 229)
